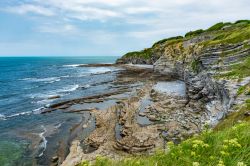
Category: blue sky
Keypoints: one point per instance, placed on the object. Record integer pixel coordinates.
(104, 27)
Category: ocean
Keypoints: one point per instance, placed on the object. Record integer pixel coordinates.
(27, 85)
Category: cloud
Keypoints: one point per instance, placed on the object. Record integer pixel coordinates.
(127, 10)
(28, 8)
(120, 24)
(141, 10)
(58, 29)
(91, 13)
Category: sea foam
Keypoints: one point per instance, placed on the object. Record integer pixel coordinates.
(44, 142)
(46, 80)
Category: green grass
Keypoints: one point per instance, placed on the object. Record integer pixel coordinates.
(241, 70)
(235, 117)
(232, 52)
(242, 21)
(194, 33)
(145, 54)
(176, 38)
(195, 66)
(218, 26)
(229, 147)
(244, 90)
(238, 33)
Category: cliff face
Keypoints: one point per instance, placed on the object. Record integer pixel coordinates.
(214, 64)
(215, 68)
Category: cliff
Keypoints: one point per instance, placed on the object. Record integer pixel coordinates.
(214, 64)
(212, 80)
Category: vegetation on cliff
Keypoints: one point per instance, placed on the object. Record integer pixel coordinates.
(223, 51)
(238, 71)
(228, 146)
(220, 33)
(145, 54)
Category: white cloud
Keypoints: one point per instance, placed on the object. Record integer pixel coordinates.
(28, 8)
(90, 13)
(58, 29)
(104, 10)
(141, 10)
(126, 23)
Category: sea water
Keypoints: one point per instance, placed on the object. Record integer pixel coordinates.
(28, 84)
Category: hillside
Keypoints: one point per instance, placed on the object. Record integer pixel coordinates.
(208, 125)
(218, 34)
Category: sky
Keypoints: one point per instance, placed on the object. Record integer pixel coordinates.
(104, 27)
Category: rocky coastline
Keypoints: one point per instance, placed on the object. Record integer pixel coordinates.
(186, 86)
(167, 117)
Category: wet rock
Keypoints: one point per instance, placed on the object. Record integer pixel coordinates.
(247, 114)
(54, 97)
(85, 126)
(54, 159)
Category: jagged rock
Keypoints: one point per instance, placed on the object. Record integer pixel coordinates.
(54, 159)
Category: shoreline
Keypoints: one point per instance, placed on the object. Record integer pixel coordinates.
(174, 114)
(126, 82)
(116, 134)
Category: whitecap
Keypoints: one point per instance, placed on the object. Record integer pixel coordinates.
(99, 70)
(73, 65)
(82, 75)
(2, 117)
(44, 142)
(86, 86)
(66, 76)
(69, 88)
(46, 97)
(58, 126)
(19, 114)
(40, 95)
(35, 111)
(38, 110)
(47, 80)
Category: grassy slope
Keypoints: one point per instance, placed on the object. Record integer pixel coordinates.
(229, 146)
(235, 32)
(229, 143)
(238, 71)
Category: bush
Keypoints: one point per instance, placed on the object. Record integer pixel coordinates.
(218, 26)
(242, 21)
(230, 147)
(238, 71)
(168, 39)
(145, 54)
(194, 33)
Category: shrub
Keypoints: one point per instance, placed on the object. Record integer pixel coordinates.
(218, 26)
(229, 147)
(145, 54)
(242, 21)
(168, 39)
(194, 33)
(238, 71)
(195, 65)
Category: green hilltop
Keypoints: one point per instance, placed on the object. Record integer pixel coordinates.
(223, 33)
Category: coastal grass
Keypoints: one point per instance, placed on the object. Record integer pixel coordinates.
(238, 33)
(171, 39)
(220, 33)
(244, 90)
(236, 116)
(194, 33)
(237, 71)
(145, 54)
(222, 147)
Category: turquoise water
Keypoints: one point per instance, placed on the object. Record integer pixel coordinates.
(27, 85)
